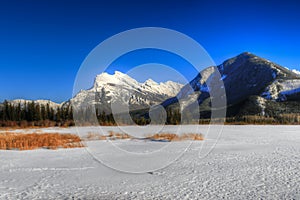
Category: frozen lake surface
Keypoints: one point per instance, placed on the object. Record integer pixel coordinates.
(248, 162)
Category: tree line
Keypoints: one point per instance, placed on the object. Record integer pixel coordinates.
(35, 114)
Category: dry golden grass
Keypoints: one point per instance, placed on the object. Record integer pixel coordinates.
(111, 135)
(115, 135)
(95, 136)
(161, 136)
(29, 141)
(7, 128)
(175, 137)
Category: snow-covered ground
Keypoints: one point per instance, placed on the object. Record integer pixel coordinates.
(248, 162)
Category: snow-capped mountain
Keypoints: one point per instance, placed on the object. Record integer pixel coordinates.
(248, 74)
(296, 71)
(243, 76)
(117, 87)
(22, 102)
(121, 88)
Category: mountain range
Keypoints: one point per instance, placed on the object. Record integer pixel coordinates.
(253, 86)
(117, 87)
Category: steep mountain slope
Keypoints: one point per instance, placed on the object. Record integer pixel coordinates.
(243, 76)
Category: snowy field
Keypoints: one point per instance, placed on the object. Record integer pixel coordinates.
(248, 162)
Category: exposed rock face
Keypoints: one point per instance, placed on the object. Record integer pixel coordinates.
(243, 76)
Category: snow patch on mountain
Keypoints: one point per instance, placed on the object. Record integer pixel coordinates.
(296, 71)
(168, 88)
(261, 102)
(289, 92)
(223, 77)
(281, 87)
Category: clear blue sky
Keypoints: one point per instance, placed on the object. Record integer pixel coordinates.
(43, 43)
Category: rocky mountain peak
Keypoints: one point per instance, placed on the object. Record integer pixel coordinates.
(120, 87)
(243, 76)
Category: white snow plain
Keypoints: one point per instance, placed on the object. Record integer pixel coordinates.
(248, 162)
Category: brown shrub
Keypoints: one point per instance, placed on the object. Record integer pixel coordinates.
(35, 140)
(111, 135)
(115, 135)
(174, 137)
(161, 136)
(95, 136)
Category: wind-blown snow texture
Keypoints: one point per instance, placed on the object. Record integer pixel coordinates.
(249, 162)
